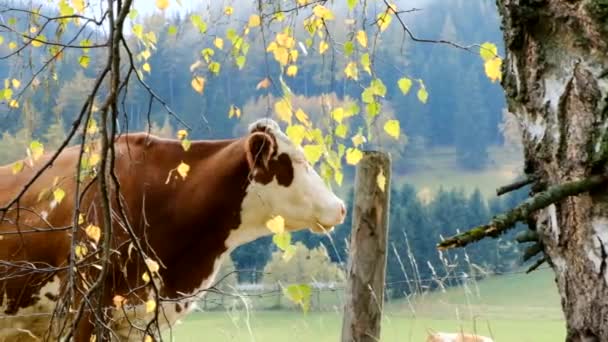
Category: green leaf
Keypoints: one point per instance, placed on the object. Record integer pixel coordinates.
(365, 63)
(198, 22)
(133, 14)
(391, 127)
(351, 4)
(240, 61)
(373, 109)
(172, 30)
(487, 51)
(404, 85)
(12, 21)
(214, 67)
(299, 294)
(367, 96)
(349, 48)
(341, 131)
(282, 240)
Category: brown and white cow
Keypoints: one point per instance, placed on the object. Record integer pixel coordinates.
(187, 225)
(456, 337)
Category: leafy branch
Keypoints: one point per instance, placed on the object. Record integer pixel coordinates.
(503, 222)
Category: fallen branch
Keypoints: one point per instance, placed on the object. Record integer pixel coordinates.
(503, 222)
(514, 186)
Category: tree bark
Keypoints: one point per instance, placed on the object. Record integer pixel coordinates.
(556, 82)
(367, 255)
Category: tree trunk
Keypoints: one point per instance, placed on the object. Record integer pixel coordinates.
(556, 82)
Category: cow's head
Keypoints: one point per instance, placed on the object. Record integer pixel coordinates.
(284, 183)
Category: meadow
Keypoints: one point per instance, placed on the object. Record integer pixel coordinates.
(514, 307)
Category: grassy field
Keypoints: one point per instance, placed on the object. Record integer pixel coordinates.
(510, 308)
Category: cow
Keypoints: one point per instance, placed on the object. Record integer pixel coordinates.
(184, 225)
(456, 337)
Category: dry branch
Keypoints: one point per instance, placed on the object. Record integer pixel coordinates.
(503, 222)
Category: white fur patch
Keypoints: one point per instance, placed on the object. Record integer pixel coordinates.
(32, 321)
(594, 247)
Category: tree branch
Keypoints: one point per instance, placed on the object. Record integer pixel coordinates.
(503, 222)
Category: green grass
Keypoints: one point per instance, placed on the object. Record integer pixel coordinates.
(515, 307)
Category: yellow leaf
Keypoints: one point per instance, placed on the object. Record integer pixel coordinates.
(13, 104)
(362, 38)
(492, 68)
(12, 45)
(234, 111)
(148, 338)
(351, 71)
(422, 95)
(254, 20)
(296, 133)
(303, 117)
(16, 83)
(358, 139)
(228, 10)
(118, 300)
(146, 67)
(265, 83)
(80, 219)
(93, 232)
(292, 70)
(183, 169)
(58, 195)
(78, 5)
(92, 127)
(145, 277)
(84, 61)
(276, 224)
(337, 114)
(94, 159)
(323, 12)
(214, 67)
(146, 54)
(162, 4)
(293, 55)
(80, 251)
(488, 51)
(313, 153)
(219, 43)
(36, 149)
(182, 134)
(404, 85)
(283, 110)
(381, 180)
(17, 167)
(384, 20)
(153, 266)
(353, 156)
(150, 305)
(323, 46)
(198, 84)
(391, 127)
(281, 54)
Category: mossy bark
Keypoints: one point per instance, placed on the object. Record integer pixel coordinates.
(556, 82)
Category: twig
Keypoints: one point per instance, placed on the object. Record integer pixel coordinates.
(536, 265)
(503, 222)
(515, 185)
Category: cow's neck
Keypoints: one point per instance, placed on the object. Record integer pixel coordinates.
(206, 214)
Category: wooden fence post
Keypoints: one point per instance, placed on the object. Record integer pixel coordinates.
(367, 256)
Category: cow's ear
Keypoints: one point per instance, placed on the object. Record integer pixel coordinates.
(259, 149)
